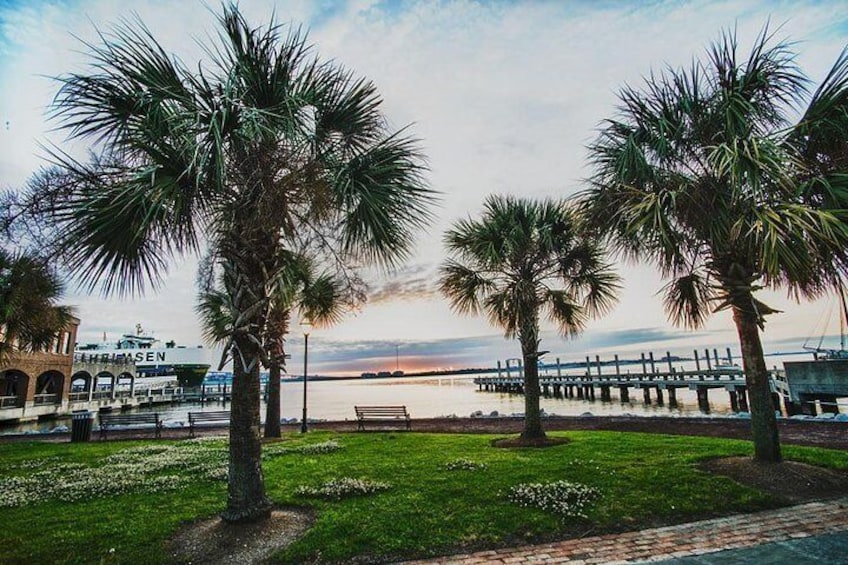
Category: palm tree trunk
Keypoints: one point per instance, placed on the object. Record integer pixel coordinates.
(278, 325)
(272, 410)
(763, 420)
(246, 500)
(530, 352)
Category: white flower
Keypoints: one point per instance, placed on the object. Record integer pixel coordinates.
(560, 497)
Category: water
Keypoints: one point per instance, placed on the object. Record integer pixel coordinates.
(449, 395)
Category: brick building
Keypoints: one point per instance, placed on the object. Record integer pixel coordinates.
(34, 383)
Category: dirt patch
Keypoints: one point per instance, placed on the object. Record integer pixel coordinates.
(521, 442)
(790, 481)
(213, 541)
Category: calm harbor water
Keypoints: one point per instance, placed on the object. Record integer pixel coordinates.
(449, 395)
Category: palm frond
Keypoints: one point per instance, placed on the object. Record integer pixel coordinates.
(29, 314)
(464, 287)
(688, 299)
(564, 310)
(383, 199)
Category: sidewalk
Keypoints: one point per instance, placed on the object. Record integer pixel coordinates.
(686, 542)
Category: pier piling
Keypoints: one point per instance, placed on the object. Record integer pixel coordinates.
(743, 398)
(703, 398)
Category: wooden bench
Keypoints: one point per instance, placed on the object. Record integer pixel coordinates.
(195, 418)
(109, 420)
(385, 414)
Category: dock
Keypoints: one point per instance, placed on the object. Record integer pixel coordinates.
(656, 385)
(804, 387)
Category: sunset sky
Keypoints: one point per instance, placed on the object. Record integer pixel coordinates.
(504, 96)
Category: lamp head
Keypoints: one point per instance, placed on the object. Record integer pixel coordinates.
(306, 326)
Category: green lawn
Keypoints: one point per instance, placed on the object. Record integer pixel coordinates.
(121, 500)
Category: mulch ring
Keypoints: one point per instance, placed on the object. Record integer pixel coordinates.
(789, 480)
(213, 541)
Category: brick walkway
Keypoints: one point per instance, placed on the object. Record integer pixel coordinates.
(696, 538)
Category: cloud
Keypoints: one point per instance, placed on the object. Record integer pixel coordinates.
(410, 283)
(331, 356)
(503, 95)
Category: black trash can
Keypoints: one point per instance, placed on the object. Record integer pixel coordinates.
(81, 424)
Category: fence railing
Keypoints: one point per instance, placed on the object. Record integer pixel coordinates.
(8, 402)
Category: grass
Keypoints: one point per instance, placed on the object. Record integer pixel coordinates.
(446, 493)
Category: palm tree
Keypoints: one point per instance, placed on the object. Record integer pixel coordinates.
(317, 298)
(262, 144)
(704, 174)
(523, 259)
(30, 319)
(320, 298)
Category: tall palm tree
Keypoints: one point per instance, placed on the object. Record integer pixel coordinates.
(320, 298)
(261, 143)
(704, 173)
(317, 298)
(30, 319)
(521, 260)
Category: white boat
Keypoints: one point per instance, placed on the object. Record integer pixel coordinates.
(829, 354)
(150, 356)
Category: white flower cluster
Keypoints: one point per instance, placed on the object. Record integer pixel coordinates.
(196, 458)
(464, 465)
(276, 450)
(147, 469)
(560, 497)
(337, 489)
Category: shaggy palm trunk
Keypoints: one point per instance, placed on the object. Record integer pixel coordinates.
(763, 420)
(272, 409)
(530, 352)
(246, 500)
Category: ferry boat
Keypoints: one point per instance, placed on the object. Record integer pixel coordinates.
(151, 358)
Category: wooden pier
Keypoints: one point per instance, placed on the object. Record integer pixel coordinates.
(656, 385)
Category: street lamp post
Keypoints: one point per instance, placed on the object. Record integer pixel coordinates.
(306, 326)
